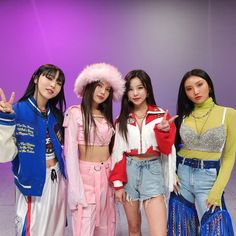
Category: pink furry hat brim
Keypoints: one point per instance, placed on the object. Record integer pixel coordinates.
(100, 71)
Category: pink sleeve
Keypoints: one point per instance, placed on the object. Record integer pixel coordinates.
(76, 193)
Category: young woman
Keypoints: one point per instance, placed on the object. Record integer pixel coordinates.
(205, 133)
(33, 135)
(144, 132)
(88, 136)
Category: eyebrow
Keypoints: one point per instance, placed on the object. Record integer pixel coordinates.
(101, 82)
(199, 81)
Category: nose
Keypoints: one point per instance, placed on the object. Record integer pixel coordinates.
(196, 91)
(102, 90)
(53, 83)
(135, 92)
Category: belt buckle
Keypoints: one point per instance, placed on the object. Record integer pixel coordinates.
(97, 168)
(195, 163)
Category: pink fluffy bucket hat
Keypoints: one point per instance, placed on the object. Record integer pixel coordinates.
(100, 71)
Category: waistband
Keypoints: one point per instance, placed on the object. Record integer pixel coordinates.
(96, 165)
(197, 163)
(143, 159)
(56, 167)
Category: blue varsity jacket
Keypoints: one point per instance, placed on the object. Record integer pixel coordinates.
(29, 165)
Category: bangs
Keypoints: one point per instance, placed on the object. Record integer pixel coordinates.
(52, 72)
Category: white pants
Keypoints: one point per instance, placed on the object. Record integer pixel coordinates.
(45, 215)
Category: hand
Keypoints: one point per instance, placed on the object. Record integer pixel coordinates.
(5, 106)
(165, 124)
(177, 186)
(212, 205)
(120, 195)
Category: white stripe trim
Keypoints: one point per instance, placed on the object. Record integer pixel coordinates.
(34, 105)
(6, 119)
(223, 117)
(37, 107)
(25, 186)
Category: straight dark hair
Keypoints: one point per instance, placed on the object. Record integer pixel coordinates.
(86, 106)
(126, 106)
(184, 105)
(58, 103)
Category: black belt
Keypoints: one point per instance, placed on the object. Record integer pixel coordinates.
(197, 163)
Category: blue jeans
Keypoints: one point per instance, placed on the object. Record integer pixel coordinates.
(195, 184)
(145, 179)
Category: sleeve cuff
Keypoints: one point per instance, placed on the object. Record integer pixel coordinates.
(117, 184)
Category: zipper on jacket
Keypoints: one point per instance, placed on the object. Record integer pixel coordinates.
(140, 132)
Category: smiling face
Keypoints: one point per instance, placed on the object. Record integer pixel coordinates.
(137, 93)
(101, 92)
(47, 86)
(197, 89)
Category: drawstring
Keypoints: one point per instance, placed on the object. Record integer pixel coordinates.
(53, 175)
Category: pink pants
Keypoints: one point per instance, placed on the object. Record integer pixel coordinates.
(98, 218)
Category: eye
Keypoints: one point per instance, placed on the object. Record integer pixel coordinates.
(200, 84)
(108, 89)
(100, 85)
(188, 89)
(140, 87)
(49, 77)
(59, 82)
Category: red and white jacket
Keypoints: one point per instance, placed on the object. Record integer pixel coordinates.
(146, 139)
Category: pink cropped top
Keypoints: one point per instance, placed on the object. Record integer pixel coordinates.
(99, 136)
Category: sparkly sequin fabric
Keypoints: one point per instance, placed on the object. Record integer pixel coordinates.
(210, 141)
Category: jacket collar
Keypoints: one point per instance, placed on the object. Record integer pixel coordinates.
(33, 103)
(151, 110)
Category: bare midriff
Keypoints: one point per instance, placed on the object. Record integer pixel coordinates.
(51, 163)
(143, 157)
(94, 153)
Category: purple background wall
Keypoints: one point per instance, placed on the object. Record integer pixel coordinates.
(165, 38)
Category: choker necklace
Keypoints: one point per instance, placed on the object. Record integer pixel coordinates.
(98, 116)
(198, 129)
(204, 115)
(141, 116)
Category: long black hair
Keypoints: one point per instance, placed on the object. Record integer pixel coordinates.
(58, 103)
(126, 106)
(184, 105)
(86, 106)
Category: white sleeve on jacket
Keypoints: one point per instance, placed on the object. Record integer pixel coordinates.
(8, 148)
(120, 146)
(169, 169)
(76, 193)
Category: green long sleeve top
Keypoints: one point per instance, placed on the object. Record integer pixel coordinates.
(201, 126)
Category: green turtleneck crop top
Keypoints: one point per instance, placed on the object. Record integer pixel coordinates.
(210, 137)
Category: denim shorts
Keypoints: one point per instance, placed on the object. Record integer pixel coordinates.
(145, 179)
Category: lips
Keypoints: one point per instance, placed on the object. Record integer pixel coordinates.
(50, 91)
(101, 97)
(198, 97)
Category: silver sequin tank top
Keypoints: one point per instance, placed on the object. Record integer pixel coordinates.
(212, 140)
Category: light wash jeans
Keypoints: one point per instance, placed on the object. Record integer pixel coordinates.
(145, 179)
(195, 184)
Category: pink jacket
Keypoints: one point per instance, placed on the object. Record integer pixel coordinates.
(74, 135)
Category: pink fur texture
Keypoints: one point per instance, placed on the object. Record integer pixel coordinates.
(100, 71)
